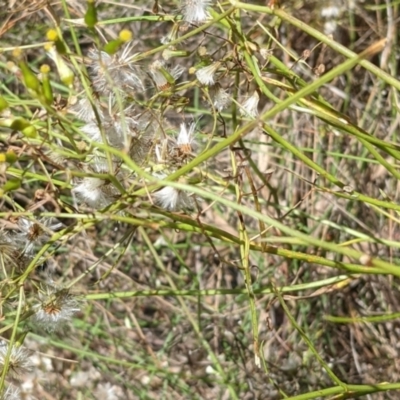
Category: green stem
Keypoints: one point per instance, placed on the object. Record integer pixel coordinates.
(214, 292)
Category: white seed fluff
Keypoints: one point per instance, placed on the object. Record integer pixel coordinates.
(195, 10)
(249, 107)
(205, 75)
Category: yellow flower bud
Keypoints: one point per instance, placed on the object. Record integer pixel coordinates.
(44, 69)
(52, 35)
(125, 35)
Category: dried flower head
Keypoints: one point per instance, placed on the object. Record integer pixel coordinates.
(116, 126)
(11, 393)
(143, 137)
(163, 76)
(185, 139)
(171, 36)
(55, 307)
(220, 97)
(36, 232)
(19, 361)
(195, 10)
(250, 106)
(106, 391)
(95, 192)
(83, 110)
(8, 250)
(115, 72)
(115, 130)
(173, 199)
(330, 12)
(205, 75)
(162, 152)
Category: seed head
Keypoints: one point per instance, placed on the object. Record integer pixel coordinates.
(8, 250)
(115, 72)
(55, 307)
(195, 10)
(18, 361)
(11, 393)
(106, 391)
(205, 75)
(330, 12)
(220, 97)
(95, 192)
(83, 110)
(185, 140)
(36, 232)
(163, 76)
(171, 36)
(172, 199)
(250, 106)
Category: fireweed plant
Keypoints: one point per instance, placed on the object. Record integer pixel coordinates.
(151, 137)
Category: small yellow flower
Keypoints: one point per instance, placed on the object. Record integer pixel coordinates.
(52, 35)
(125, 35)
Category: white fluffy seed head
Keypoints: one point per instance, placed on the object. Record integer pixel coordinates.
(9, 249)
(330, 12)
(19, 362)
(115, 72)
(330, 27)
(185, 139)
(159, 73)
(250, 106)
(220, 97)
(91, 191)
(36, 232)
(106, 391)
(167, 198)
(83, 110)
(55, 307)
(206, 76)
(11, 393)
(195, 10)
(92, 130)
(172, 199)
